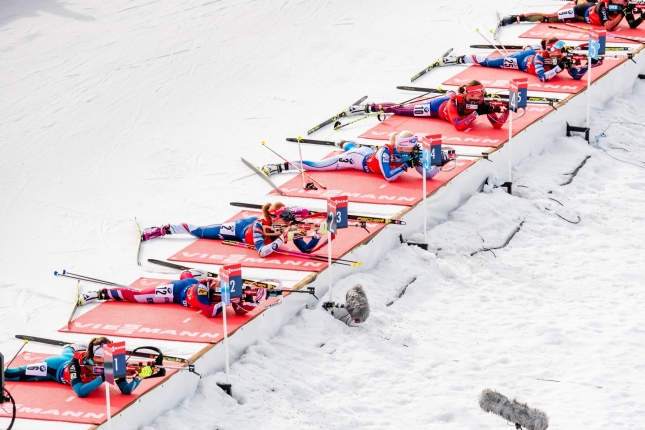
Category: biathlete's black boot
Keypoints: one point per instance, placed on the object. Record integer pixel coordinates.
(511, 19)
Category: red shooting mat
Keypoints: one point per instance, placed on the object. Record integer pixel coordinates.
(480, 134)
(492, 77)
(363, 187)
(209, 251)
(158, 321)
(542, 30)
(51, 401)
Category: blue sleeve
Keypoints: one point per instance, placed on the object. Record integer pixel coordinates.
(83, 390)
(127, 387)
(429, 173)
(390, 174)
(260, 245)
(538, 64)
(577, 74)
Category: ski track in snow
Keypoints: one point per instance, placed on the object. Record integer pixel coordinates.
(111, 110)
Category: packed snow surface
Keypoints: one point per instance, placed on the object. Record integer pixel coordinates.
(111, 110)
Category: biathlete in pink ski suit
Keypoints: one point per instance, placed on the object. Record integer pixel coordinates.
(391, 160)
(192, 289)
(458, 108)
(544, 61)
(265, 233)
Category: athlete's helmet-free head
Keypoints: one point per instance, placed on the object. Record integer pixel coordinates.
(283, 213)
(474, 92)
(192, 273)
(404, 141)
(95, 348)
(554, 47)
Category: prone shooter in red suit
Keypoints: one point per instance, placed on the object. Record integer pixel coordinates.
(193, 289)
(459, 108)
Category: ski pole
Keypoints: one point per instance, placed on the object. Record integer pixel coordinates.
(500, 42)
(304, 185)
(486, 39)
(381, 111)
(24, 342)
(88, 279)
(302, 170)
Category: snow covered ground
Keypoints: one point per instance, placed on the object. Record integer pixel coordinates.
(122, 108)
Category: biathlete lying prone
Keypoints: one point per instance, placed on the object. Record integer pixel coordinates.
(193, 289)
(459, 108)
(544, 61)
(391, 160)
(76, 366)
(266, 233)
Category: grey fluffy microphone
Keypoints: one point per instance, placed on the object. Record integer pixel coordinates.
(513, 411)
(356, 303)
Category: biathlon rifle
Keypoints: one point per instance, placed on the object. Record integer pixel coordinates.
(530, 99)
(154, 355)
(582, 47)
(324, 213)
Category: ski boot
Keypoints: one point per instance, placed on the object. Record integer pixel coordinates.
(272, 169)
(452, 60)
(152, 232)
(358, 110)
(511, 19)
(92, 296)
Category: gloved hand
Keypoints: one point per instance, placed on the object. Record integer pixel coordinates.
(145, 372)
(409, 162)
(483, 109)
(495, 108)
(418, 162)
(564, 63)
(286, 235)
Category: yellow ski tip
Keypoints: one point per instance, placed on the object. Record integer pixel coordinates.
(263, 142)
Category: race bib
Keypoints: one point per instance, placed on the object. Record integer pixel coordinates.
(566, 14)
(164, 291)
(510, 63)
(36, 369)
(422, 110)
(228, 229)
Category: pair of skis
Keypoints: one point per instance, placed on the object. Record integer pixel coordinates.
(324, 213)
(437, 63)
(246, 282)
(273, 290)
(336, 117)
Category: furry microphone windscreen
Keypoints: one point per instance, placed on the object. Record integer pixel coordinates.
(356, 304)
(513, 411)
